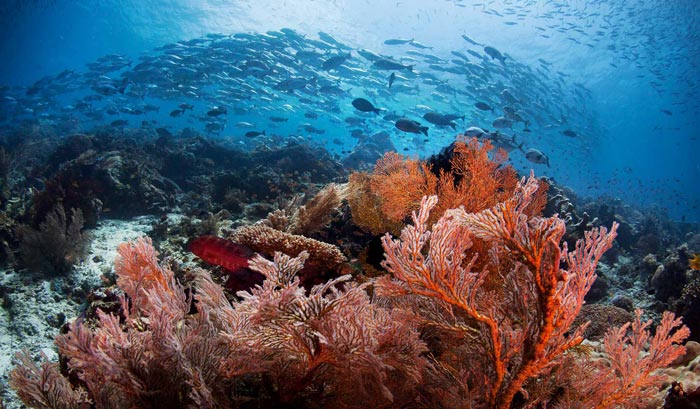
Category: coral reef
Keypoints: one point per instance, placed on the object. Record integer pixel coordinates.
(278, 346)
(524, 321)
(482, 309)
(368, 151)
(601, 319)
(283, 345)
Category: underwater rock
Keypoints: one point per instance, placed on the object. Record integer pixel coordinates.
(118, 183)
(602, 318)
(368, 150)
(272, 175)
(298, 158)
(648, 267)
(599, 289)
(624, 302)
(693, 243)
(688, 306)
(680, 397)
(70, 148)
(670, 277)
(692, 351)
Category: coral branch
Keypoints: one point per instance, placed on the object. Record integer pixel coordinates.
(521, 342)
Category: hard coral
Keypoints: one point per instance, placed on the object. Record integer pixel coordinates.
(324, 259)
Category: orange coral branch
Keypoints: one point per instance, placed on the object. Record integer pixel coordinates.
(533, 243)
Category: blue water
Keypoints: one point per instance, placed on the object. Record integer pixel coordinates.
(625, 75)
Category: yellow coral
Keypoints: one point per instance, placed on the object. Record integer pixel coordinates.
(694, 262)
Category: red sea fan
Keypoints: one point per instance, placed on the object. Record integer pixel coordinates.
(524, 323)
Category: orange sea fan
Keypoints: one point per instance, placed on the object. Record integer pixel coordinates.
(366, 207)
(694, 262)
(400, 183)
(477, 179)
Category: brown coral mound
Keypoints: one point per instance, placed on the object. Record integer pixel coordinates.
(602, 318)
(324, 259)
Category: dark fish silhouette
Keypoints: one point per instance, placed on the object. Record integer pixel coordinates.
(385, 64)
(483, 106)
(439, 119)
(253, 134)
(335, 62)
(495, 54)
(411, 126)
(363, 105)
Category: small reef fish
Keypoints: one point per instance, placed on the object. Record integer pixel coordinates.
(233, 257)
(535, 156)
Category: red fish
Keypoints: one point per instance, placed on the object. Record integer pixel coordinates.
(221, 252)
(229, 255)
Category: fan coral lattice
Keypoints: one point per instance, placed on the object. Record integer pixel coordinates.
(525, 321)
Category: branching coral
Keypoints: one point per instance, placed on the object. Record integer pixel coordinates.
(279, 346)
(523, 323)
